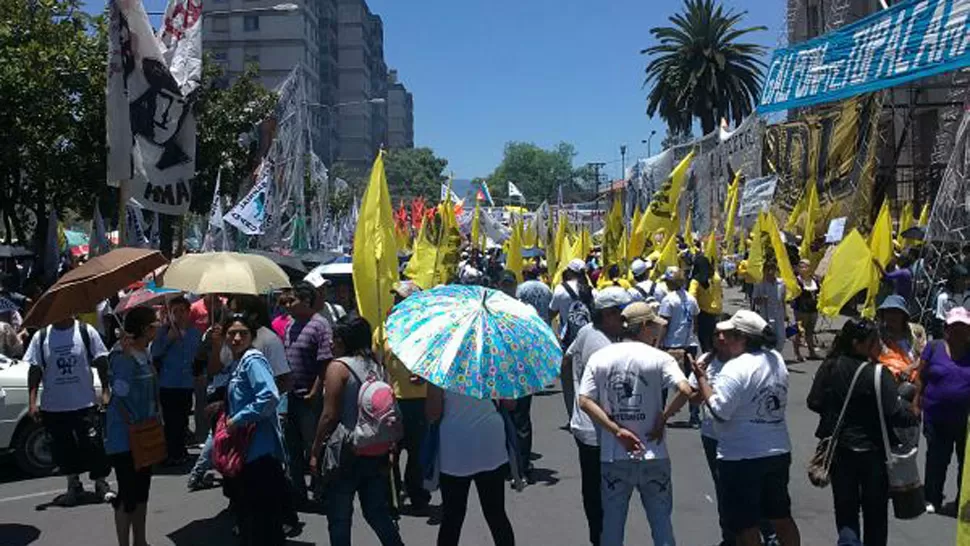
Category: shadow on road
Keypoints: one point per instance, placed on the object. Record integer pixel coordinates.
(15, 534)
(545, 476)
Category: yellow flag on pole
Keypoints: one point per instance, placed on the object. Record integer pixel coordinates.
(710, 249)
(924, 216)
(848, 274)
(513, 260)
(613, 236)
(662, 212)
(756, 252)
(732, 212)
(689, 231)
(792, 290)
(668, 256)
(375, 249)
(476, 227)
(800, 207)
(881, 239)
(905, 222)
(813, 210)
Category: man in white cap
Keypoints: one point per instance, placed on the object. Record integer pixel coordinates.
(621, 392)
(680, 310)
(572, 291)
(606, 326)
(643, 288)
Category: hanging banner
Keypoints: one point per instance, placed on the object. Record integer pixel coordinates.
(135, 227)
(909, 41)
(150, 125)
(757, 195)
(249, 214)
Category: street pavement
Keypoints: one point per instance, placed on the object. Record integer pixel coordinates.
(547, 512)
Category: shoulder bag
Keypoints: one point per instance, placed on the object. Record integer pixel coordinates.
(146, 439)
(821, 463)
(902, 467)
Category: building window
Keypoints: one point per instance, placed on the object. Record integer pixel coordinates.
(220, 24)
(252, 58)
(220, 56)
(251, 23)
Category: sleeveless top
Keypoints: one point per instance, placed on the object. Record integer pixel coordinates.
(361, 368)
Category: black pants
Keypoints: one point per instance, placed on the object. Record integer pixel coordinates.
(259, 500)
(133, 485)
(176, 408)
(412, 410)
(491, 495)
(859, 480)
(76, 443)
(710, 451)
(942, 438)
(522, 419)
(705, 330)
(589, 472)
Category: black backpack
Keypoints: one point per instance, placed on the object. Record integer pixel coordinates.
(577, 316)
(85, 338)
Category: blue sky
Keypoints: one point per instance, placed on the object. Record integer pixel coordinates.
(543, 71)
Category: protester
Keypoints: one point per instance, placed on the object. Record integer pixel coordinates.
(206, 311)
(174, 352)
(900, 279)
(902, 341)
(534, 292)
(768, 298)
(61, 357)
(410, 391)
(705, 287)
(953, 294)
(858, 472)
(944, 399)
(330, 311)
(252, 397)
(806, 310)
(620, 390)
(308, 350)
(643, 288)
(679, 336)
(748, 401)
(568, 300)
(10, 343)
(607, 325)
(134, 400)
(471, 448)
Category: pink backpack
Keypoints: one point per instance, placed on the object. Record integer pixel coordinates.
(379, 422)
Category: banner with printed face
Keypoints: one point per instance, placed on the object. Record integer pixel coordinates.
(249, 214)
(909, 41)
(150, 126)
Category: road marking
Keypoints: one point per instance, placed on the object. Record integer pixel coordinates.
(39, 494)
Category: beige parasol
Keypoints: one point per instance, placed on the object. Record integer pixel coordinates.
(225, 273)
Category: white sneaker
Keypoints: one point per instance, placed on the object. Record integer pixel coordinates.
(930, 509)
(103, 491)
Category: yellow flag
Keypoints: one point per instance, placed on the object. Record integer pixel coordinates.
(476, 235)
(813, 211)
(375, 249)
(583, 245)
(756, 252)
(513, 259)
(881, 238)
(710, 249)
(668, 256)
(420, 268)
(689, 231)
(448, 242)
(637, 239)
(800, 207)
(732, 190)
(613, 236)
(662, 212)
(848, 274)
(530, 235)
(905, 222)
(560, 250)
(731, 212)
(792, 290)
(924, 216)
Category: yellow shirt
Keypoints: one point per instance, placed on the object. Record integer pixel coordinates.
(398, 374)
(710, 300)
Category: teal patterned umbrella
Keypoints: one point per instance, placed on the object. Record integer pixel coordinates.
(474, 341)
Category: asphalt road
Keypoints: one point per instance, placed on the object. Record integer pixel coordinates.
(548, 512)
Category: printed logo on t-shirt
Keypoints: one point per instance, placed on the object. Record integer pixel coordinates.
(66, 362)
(624, 401)
(771, 409)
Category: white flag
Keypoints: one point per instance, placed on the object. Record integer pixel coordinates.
(99, 244)
(514, 191)
(216, 238)
(135, 226)
(249, 214)
(150, 125)
(445, 190)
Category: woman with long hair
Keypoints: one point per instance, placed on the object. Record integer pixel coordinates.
(251, 401)
(806, 310)
(858, 472)
(134, 400)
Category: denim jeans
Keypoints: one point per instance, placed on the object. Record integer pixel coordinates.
(204, 463)
(652, 480)
(522, 419)
(301, 426)
(369, 478)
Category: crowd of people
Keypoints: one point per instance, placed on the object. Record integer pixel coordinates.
(284, 374)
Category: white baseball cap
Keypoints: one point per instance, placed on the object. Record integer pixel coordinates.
(610, 297)
(639, 267)
(576, 265)
(744, 321)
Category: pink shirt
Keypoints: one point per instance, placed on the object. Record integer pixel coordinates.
(280, 325)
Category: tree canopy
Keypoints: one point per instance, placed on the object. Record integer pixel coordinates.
(536, 171)
(700, 68)
(415, 172)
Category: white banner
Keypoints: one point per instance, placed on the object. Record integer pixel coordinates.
(757, 195)
(135, 226)
(249, 214)
(150, 126)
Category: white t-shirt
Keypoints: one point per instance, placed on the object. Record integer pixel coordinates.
(653, 290)
(946, 301)
(268, 343)
(588, 341)
(561, 300)
(749, 403)
(626, 379)
(707, 420)
(472, 436)
(68, 381)
(680, 309)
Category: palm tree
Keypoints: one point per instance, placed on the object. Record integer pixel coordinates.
(699, 68)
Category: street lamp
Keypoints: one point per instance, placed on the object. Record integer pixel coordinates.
(375, 100)
(647, 142)
(623, 161)
(284, 8)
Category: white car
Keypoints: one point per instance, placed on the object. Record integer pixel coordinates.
(19, 434)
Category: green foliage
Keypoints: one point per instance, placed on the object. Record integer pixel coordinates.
(225, 112)
(535, 171)
(678, 138)
(699, 68)
(415, 172)
(52, 79)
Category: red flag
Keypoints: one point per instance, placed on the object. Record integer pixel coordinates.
(417, 212)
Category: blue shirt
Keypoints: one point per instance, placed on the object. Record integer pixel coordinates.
(253, 398)
(176, 357)
(133, 387)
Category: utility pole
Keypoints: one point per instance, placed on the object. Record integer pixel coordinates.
(596, 169)
(623, 161)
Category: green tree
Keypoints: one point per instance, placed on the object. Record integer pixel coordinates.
(700, 68)
(52, 79)
(415, 172)
(534, 170)
(678, 138)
